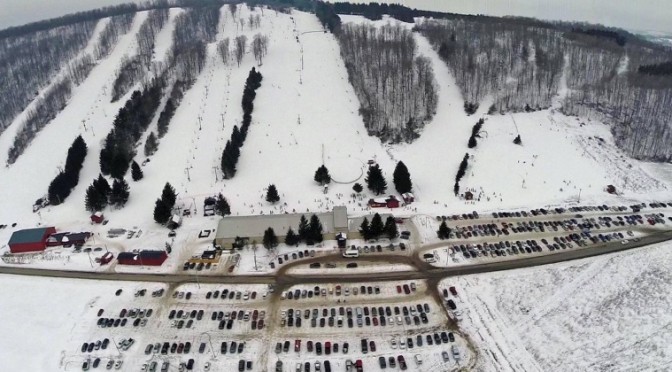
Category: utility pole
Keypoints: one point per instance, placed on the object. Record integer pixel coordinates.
(188, 177)
(579, 201)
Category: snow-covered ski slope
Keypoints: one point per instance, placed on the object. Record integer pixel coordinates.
(306, 113)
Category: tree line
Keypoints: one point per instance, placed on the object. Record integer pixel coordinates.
(461, 171)
(475, 130)
(30, 62)
(117, 26)
(129, 124)
(134, 69)
(309, 232)
(68, 178)
(100, 194)
(231, 151)
(396, 88)
(376, 229)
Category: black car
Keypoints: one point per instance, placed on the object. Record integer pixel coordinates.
(241, 347)
(233, 346)
(187, 347)
(382, 362)
(223, 348)
(318, 348)
(85, 346)
(241, 365)
(91, 346)
(105, 343)
(327, 366)
(96, 362)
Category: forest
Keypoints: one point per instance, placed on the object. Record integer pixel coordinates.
(29, 62)
(396, 88)
(134, 69)
(521, 66)
(55, 96)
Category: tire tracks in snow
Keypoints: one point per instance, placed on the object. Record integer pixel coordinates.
(489, 327)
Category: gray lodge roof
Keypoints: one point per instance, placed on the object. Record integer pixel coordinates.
(254, 226)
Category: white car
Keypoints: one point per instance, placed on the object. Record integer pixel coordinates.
(206, 367)
(118, 364)
(393, 343)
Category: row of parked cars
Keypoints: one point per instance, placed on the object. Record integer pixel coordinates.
(95, 362)
(361, 316)
(337, 290)
(231, 295)
(89, 347)
(226, 319)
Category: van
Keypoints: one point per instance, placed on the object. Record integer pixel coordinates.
(351, 253)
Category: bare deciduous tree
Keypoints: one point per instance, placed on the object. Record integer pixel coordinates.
(240, 48)
(260, 47)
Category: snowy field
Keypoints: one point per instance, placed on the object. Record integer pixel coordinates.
(35, 334)
(605, 313)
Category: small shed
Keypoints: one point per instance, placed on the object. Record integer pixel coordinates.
(408, 197)
(611, 189)
(97, 217)
(469, 195)
(144, 258)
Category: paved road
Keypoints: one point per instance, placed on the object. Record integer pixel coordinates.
(284, 279)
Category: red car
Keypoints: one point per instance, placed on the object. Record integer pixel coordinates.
(297, 346)
(255, 315)
(372, 346)
(402, 362)
(327, 348)
(260, 324)
(398, 289)
(453, 291)
(375, 321)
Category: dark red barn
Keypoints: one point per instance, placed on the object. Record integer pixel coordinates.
(144, 258)
(30, 240)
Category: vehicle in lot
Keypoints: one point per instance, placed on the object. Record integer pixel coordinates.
(444, 355)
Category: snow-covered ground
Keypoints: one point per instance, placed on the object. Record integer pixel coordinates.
(306, 113)
(605, 313)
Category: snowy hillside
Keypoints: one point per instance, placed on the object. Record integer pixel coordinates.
(306, 113)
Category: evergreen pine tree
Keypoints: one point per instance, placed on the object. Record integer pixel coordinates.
(102, 186)
(456, 188)
(357, 187)
(316, 229)
(304, 230)
(377, 226)
(222, 206)
(162, 212)
(375, 180)
(272, 194)
(365, 229)
(151, 144)
(322, 175)
(291, 238)
(444, 231)
(119, 165)
(270, 239)
(120, 193)
(76, 154)
(391, 228)
(136, 172)
(168, 196)
(402, 179)
(94, 201)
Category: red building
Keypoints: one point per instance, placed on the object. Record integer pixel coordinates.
(144, 258)
(408, 197)
(97, 217)
(107, 257)
(389, 202)
(30, 240)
